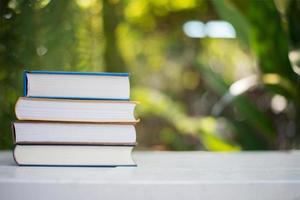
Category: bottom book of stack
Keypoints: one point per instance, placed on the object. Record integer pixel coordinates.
(73, 144)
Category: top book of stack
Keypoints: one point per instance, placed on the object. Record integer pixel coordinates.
(77, 85)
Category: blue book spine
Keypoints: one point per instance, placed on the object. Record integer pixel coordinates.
(25, 82)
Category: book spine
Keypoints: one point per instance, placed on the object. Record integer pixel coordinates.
(14, 155)
(13, 132)
(25, 82)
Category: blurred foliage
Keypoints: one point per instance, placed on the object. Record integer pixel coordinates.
(213, 94)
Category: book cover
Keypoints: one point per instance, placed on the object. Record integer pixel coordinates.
(15, 157)
(77, 117)
(25, 83)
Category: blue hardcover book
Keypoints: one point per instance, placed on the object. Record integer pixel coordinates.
(77, 85)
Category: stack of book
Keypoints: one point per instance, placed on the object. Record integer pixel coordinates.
(74, 119)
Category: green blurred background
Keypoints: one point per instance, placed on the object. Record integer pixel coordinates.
(198, 90)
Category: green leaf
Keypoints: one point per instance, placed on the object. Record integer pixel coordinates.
(253, 116)
(293, 16)
(231, 14)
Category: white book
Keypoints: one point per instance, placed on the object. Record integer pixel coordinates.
(73, 155)
(73, 133)
(77, 85)
(74, 110)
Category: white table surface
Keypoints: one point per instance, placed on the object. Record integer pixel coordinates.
(161, 175)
